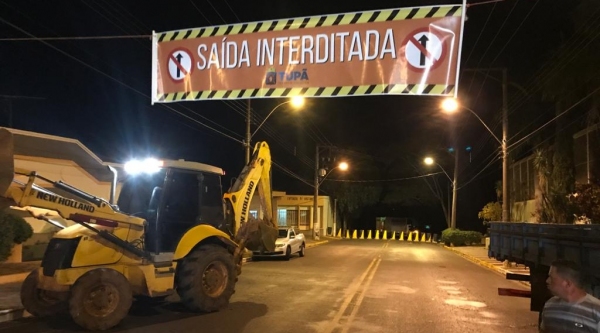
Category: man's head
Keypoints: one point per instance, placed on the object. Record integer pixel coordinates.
(565, 279)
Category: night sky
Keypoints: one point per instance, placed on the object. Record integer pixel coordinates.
(97, 91)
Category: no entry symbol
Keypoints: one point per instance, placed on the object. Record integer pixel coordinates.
(180, 64)
(424, 50)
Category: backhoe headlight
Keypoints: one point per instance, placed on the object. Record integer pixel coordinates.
(149, 166)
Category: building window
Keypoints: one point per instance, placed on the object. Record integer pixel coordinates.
(292, 217)
(287, 217)
(254, 214)
(523, 180)
(282, 217)
(304, 218)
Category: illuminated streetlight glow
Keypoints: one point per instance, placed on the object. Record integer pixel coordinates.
(450, 105)
(297, 101)
(428, 160)
(343, 166)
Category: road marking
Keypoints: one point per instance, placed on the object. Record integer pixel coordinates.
(361, 296)
(356, 289)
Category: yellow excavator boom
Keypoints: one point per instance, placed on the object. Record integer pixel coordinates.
(253, 233)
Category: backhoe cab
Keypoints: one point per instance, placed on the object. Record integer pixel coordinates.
(171, 230)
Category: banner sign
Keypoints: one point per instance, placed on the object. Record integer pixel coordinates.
(412, 51)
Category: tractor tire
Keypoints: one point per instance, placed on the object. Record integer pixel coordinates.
(205, 279)
(302, 252)
(41, 303)
(100, 299)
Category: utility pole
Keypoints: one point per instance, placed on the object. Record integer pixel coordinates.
(505, 187)
(334, 216)
(316, 197)
(454, 184)
(248, 138)
(505, 183)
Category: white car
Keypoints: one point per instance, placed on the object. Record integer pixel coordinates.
(288, 242)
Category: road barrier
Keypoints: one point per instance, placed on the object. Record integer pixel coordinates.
(412, 236)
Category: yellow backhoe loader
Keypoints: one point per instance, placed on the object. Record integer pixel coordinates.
(171, 230)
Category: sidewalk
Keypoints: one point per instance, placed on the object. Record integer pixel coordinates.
(479, 255)
(12, 276)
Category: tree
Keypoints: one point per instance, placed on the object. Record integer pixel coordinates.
(555, 184)
(15, 230)
(352, 197)
(492, 211)
(586, 201)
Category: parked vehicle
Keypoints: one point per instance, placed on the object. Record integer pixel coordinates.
(288, 243)
(537, 245)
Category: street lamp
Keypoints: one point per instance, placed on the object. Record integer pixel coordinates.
(431, 161)
(297, 102)
(316, 225)
(450, 105)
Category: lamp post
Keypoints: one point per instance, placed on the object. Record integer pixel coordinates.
(316, 225)
(430, 161)
(450, 105)
(296, 101)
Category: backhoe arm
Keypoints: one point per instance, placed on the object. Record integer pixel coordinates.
(251, 233)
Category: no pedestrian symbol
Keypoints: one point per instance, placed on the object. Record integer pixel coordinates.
(424, 50)
(180, 64)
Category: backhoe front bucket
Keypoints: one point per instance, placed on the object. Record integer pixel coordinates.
(257, 234)
(7, 166)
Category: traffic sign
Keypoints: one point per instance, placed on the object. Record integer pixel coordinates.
(424, 50)
(180, 64)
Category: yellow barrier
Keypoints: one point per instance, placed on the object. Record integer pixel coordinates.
(348, 234)
(385, 234)
(339, 235)
(430, 237)
(410, 236)
(393, 235)
(423, 238)
(354, 235)
(402, 236)
(362, 234)
(377, 234)
(369, 235)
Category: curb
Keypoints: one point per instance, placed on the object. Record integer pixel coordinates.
(13, 278)
(316, 243)
(484, 264)
(13, 314)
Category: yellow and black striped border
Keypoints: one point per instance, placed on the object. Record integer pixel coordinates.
(314, 22)
(381, 89)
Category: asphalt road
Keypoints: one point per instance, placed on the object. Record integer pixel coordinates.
(343, 286)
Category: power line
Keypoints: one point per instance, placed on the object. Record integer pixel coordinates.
(475, 177)
(201, 13)
(568, 52)
(477, 41)
(114, 79)
(515, 32)
(292, 174)
(227, 3)
(213, 7)
(37, 39)
(553, 119)
(383, 180)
